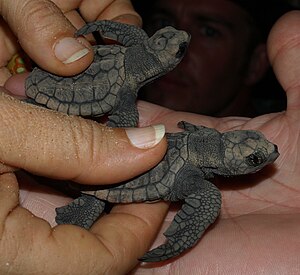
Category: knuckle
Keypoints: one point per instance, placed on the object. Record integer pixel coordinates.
(37, 16)
(83, 144)
(94, 146)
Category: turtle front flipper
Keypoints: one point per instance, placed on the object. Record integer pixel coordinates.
(125, 34)
(125, 113)
(193, 128)
(198, 212)
(83, 211)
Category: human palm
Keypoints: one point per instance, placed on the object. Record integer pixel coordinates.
(258, 229)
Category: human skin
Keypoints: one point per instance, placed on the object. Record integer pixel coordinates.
(257, 232)
(39, 27)
(58, 146)
(258, 229)
(218, 70)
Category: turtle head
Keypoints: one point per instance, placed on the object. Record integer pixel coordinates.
(247, 152)
(169, 46)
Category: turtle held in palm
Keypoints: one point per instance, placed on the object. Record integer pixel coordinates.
(111, 83)
(194, 156)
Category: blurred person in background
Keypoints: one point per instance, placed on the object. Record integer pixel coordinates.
(226, 61)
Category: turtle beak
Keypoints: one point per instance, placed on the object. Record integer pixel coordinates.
(182, 49)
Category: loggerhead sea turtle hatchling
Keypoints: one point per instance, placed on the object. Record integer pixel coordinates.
(111, 83)
(193, 157)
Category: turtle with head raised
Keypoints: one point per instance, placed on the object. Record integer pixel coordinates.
(193, 158)
(111, 83)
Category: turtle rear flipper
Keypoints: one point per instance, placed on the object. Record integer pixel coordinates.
(198, 212)
(83, 211)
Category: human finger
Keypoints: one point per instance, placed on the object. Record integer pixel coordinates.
(67, 147)
(112, 248)
(79, 12)
(117, 10)
(152, 113)
(284, 54)
(9, 47)
(15, 85)
(108, 9)
(47, 36)
(70, 9)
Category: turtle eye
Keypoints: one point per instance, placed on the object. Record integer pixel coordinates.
(182, 49)
(256, 159)
(160, 43)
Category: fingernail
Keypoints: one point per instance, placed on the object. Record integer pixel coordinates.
(146, 137)
(69, 50)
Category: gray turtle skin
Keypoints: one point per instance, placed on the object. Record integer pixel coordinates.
(111, 83)
(193, 158)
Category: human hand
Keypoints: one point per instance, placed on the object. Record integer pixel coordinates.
(258, 226)
(258, 229)
(64, 147)
(45, 31)
(59, 146)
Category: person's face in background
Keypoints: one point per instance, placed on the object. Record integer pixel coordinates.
(215, 75)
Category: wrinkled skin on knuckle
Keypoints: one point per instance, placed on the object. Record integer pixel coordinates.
(38, 12)
(90, 145)
(75, 141)
(32, 16)
(99, 149)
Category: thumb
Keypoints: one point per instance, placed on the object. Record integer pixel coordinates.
(284, 55)
(66, 147)
(47, 36)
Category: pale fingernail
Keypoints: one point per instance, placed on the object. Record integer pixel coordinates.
(146, 137)
(69, 50)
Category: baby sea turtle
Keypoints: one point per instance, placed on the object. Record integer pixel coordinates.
(111, 83)
(194, 156)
